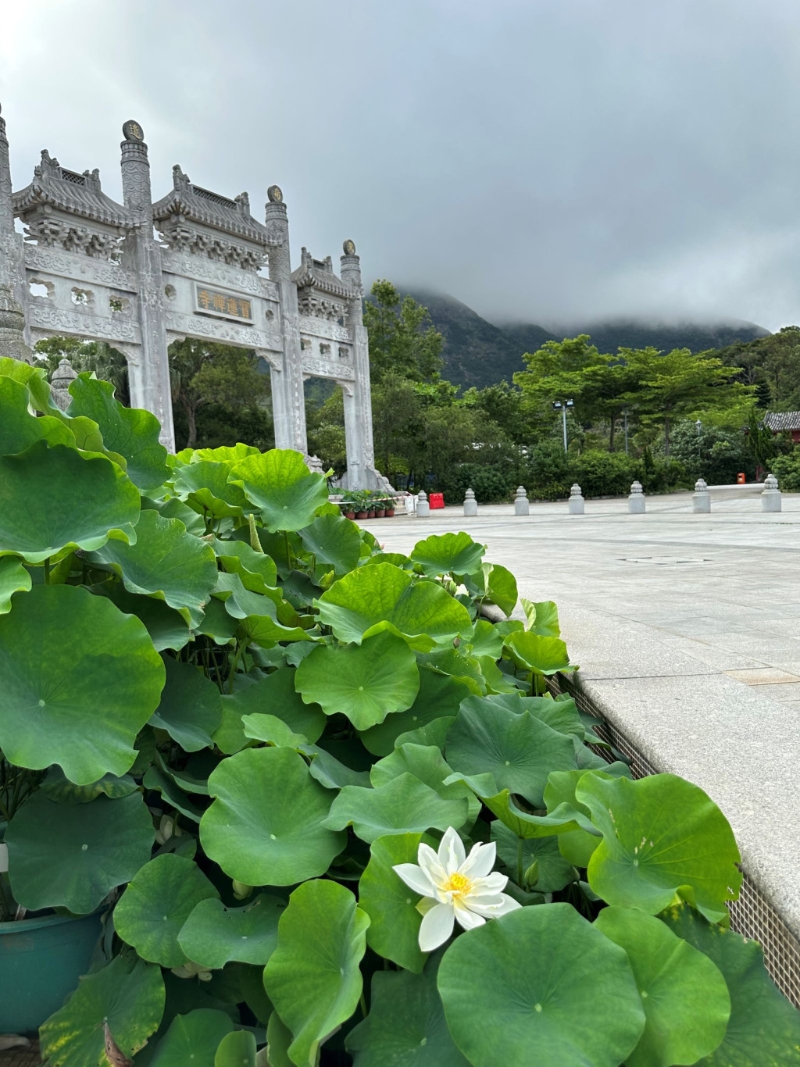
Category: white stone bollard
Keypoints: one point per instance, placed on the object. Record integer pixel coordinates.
(470, 503)
(423, 507)
(575, 500)
(771, 497)
(521, 505)
(636, 504)
(701, 498)
(63, 377)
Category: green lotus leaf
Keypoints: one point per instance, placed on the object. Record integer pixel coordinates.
(519, 750)
(486, 640)
(216, 623)
(167, 628)
(281, 485)
(331, 772)
(764, 1028)
(213, 935)
(578, 845)
(35, 381)
(662, 837)
(518, 855)
(279, 1038)
(157, 903)
(59, 649)
(273, 731)
(191, 706)
(403, 805)
(237, 1049)
(391, 906)
(265, 826)
(434, 733)
(561, 820)
(406, 1026)
(166, 562)
(561, 715)
(132, 432)
(19, 429)
(313, 977)
(72, 855)
(685, 998)
(542, 617)
(397, 559)
(542, 655)
(193, 1039)
(450, 553)
(205, 487)
(365, 682)
(14, 578)
(371, 599)
(439, 697)
(335, 540)
(276, 695)
(450, 661)
(163, 783)
(527, 988)
(223, 453)
(55, 498)
(127, 993)
(256, 569)
(61, 790)
(500, 587)
(427, 763)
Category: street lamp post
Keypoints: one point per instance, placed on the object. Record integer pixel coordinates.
(562, 405)
(626, 430)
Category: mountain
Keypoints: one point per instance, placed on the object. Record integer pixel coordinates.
(477, 352)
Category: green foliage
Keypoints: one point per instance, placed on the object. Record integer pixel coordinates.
(223, 687)
(787, 470)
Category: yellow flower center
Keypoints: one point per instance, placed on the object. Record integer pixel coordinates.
(457, 883)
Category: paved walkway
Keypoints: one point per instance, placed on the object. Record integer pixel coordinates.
(687, 630)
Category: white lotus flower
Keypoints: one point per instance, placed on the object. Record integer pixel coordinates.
(455, 886)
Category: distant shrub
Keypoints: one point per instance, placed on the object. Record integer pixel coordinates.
(787, 470)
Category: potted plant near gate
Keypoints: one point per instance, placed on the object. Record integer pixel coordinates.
(390, 507)
(360, 503)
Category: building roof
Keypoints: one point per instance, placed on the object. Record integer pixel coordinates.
(318, 274)
(76, 194)
(782, 420)
(198, 205)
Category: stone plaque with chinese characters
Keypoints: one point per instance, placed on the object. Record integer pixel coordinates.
(225, 305)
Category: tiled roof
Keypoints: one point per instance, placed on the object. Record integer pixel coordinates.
(77, 194)
(313, 274)
(782, 420)
(210, 209)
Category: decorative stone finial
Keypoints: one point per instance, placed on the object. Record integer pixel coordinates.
(521, 505)
(701, 498)
(575, 500)
(470, 503)
(770, 482)
(700, 486)
(771, 497)
(423, 507)
(636, 504)
(60, 381)
(349, 247)
(275, 194)
(132, 131)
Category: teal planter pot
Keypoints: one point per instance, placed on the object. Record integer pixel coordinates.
(41, 961)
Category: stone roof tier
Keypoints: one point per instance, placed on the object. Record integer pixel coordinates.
(191, 203)
(318, 274)
(68, 191)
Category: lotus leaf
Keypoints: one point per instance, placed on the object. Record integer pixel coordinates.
(19, 429)
(163, 783)
(500, 587)
(365, 682)
(517, 749)
(561, 820)
(167, 628)
(427, 763)
(223, 453)
(192, 1039)
(273, 731)
(313, 976)
(35, 381)
(405, 1025)
(265, 826)
(372, 599)
(542, 655)
(519, 855)
(213, 935)
(127, 993)
(577, 846)
(157, 903)
(72, 855)
(542, 618)
(205, 488)
(55, 498)
(60, 789)
(439, 697)
(191, 707)
(59, 649)
(279, 1038)
(281, 485)
(684, 996)
(237, 1049)
(335, 540)
(14, 578)
(449, 553)
(166, 562)
(662, 836)
(764, 1028)
(276, 695)
(256, 569)
(485, 640)
(131, 432)
(392, 907)
(331, 772)
(524, 989)
(403, 805)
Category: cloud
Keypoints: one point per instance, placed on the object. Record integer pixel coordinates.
(542, 160)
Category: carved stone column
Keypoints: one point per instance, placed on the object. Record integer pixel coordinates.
(149, 380)
(12, 271)
(288, 400)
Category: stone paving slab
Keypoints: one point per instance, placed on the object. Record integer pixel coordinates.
(658, 609)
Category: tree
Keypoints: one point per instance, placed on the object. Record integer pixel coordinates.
(402, 338)
(203, 373)
(770, 363)
(96, 356)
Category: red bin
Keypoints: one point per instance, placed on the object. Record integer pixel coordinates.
(436, 500)
(740, 478)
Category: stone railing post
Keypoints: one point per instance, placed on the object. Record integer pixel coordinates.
(423, 507)
(521, 505)
(575, 500)
(63, 376)
(636, 505)
(701, 498)
(470, 503)
(771, 497)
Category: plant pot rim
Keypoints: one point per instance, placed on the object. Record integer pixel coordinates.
(25, 925)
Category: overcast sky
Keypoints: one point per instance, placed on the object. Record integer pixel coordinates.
(552, 161)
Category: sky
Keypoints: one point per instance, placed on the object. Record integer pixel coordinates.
(549, 161)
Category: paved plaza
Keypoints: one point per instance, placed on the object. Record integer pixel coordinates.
(686, 628)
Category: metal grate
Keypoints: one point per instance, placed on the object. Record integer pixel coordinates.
(73, 176)
(751, 915)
